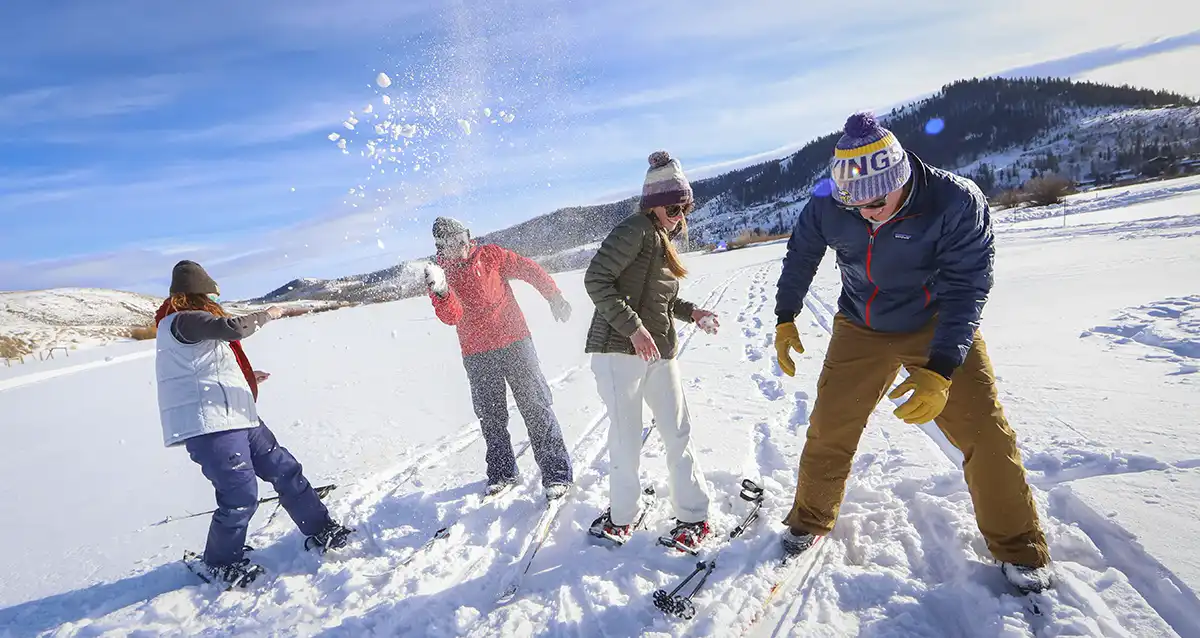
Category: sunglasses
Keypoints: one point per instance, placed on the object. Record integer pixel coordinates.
(874, 204)
(678, 210)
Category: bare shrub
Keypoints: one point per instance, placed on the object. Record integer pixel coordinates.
(143, 333)
(1048, 189)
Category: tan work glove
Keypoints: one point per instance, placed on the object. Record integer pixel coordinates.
(787, 337)
(930, 391)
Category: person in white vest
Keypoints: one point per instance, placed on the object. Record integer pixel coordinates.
(206, 399)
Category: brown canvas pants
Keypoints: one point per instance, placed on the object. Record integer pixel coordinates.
(860, 367)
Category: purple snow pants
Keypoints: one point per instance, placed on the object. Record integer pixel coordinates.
(231, 460)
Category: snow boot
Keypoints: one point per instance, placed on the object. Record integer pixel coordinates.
(1028, 579)
(603, 527)
(556, 491)
(238, 574)
(687, 537)
(795, 544)
(494, 489)
(334, 536)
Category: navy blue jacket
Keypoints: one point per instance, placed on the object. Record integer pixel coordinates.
(934, 257)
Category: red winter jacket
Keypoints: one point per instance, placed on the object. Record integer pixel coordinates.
(481, 303)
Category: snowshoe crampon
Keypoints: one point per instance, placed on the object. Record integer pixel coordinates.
(239, 574)
(687, 537)
(334, 536)
(604, 528)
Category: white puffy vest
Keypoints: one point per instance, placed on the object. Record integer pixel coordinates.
(201, 389)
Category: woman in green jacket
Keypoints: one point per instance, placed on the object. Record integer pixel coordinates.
(634, 282)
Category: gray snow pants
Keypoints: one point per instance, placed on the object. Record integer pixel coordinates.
(516, 366)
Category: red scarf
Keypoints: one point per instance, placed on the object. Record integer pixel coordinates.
(238, 353)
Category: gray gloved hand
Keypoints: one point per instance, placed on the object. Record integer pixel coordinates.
(561, 309)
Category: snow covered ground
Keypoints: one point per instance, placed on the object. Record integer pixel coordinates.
(1092, 329)
(71, 318)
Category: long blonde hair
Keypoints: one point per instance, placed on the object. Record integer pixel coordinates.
(671, 256)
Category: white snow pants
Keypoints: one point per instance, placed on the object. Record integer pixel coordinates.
(624, 381)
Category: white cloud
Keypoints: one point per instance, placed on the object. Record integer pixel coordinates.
(116, 96)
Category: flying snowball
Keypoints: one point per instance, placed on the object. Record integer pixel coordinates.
(387, 100)
(465, 126)
(487, 112)
(333, 137)
(368, 109)
(383, 80)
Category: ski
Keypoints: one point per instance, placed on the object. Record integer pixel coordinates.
(540, 534)
(791, 568)
(437, 536)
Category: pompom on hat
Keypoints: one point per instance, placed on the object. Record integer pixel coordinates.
(665, 182)
(868, 161)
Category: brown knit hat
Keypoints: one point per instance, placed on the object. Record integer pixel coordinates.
(188, 277)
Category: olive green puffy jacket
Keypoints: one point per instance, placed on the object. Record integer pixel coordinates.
(631, 286)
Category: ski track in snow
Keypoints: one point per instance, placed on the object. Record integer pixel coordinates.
(904, 559)
(1167, 330)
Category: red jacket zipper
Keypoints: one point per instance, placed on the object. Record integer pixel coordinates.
(870, 246)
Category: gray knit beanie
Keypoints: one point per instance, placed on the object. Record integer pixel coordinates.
(447, 227)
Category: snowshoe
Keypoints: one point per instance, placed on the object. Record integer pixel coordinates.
(557, 491)
(334, 536)
(238, 574)
(686, 537)
(603, 527)
(796, 544)
(499, 487)
(1027, 579)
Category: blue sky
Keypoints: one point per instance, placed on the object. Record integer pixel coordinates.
(136, 133)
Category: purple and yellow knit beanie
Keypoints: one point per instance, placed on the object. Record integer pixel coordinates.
(868, 161)
(665, 182)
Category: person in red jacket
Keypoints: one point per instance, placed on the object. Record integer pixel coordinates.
(469, 289)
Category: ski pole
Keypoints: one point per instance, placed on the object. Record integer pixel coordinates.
(321, 493)
(753, 493)
(669, 603)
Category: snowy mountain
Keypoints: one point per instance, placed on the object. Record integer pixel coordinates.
(69, 317)
(397, 282)
(1000, 132)
(1092, 327)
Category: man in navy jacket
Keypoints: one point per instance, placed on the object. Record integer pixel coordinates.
(915, 250)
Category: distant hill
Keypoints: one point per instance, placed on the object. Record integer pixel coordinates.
(69, 317)
(395, 282)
